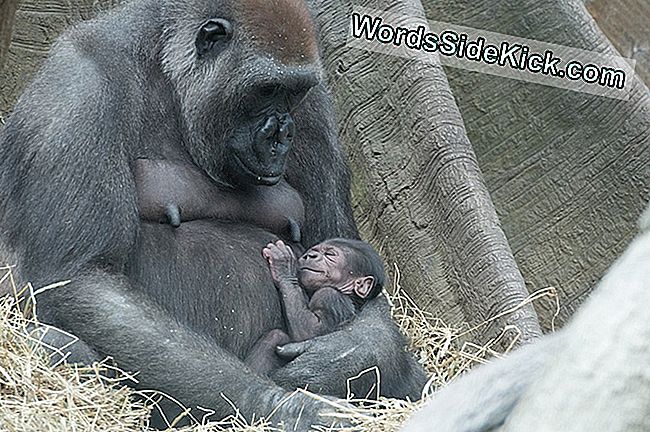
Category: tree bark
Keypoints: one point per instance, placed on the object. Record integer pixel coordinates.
(600, 380)
(37, 25)
(626, 24)
(418, 192)
(568, 172)
(7, 13)
(594, 375)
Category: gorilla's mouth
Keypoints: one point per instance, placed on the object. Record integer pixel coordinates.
(260, 178)
(311, 270)
(258, 150)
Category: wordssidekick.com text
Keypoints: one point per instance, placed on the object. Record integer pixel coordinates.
(483, 51)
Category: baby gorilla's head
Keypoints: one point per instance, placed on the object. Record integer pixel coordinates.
(352, 267)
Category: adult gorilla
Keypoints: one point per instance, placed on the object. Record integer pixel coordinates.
(227, 86)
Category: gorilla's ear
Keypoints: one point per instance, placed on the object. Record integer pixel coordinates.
(213, 32)
(363, 286)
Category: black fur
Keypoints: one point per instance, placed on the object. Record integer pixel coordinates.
(170, 192)
(181, 306)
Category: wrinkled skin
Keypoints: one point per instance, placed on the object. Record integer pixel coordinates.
(325, 265)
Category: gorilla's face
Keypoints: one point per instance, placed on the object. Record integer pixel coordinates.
(324, 265)
(240, 80)
(264, 126)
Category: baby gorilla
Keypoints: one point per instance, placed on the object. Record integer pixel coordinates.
(322, 290)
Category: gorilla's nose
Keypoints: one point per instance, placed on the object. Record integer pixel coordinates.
(286, 128)
(269, 129)
(274, 137)
(285, 89)
(278, 128)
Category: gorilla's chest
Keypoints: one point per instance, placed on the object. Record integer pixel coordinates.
(211, 276)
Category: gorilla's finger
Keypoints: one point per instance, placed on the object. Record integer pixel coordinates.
(273, 248)
(292, 350)
(289, 252)
(284, 253)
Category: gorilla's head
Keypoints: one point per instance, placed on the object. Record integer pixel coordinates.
(240, 69)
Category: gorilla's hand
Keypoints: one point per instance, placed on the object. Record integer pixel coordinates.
(349, 359)
(324, 364)
(282, 262)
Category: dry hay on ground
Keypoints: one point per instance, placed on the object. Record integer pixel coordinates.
(35, 396)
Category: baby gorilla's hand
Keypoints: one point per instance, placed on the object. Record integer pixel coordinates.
(282, 262)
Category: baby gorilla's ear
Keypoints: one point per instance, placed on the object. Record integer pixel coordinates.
(363, 286)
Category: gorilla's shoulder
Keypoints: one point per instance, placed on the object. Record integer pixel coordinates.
(121, 35)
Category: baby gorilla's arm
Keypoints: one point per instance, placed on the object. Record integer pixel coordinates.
(327, 309)
(305, 319)
(302, 323)
(332, 308)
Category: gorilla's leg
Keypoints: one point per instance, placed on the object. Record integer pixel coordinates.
(361, 345)
(62, 345)
(168, 356)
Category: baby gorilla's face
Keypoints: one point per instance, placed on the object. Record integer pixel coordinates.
(325, 265)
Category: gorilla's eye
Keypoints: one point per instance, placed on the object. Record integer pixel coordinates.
(212, 34)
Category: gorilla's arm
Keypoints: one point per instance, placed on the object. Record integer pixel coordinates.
(371, 340)
(104, 309)
(68, 211)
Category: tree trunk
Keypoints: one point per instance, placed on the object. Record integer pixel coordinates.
(7, 13)
(568, 171)
(600, 379)
(592, 376)
(418, 192)
(627, 24)
(37, 25)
